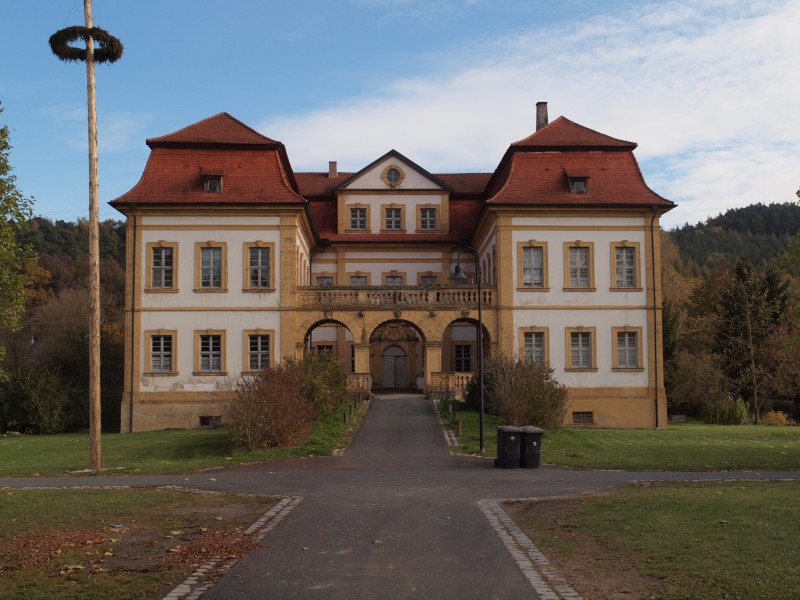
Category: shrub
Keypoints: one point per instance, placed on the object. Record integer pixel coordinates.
(270, 409)
(324, 380)
(33, 401)
(775, 417)
(728, 411)
(521, 393)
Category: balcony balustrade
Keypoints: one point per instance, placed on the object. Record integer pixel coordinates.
(421, 297)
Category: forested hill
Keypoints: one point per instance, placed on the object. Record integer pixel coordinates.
(758, 232)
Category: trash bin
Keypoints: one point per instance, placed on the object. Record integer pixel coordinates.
(530, 447)
(508, 445)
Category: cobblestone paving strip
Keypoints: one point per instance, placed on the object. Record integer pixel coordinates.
(449, 436)
(544, 579)
(194, 586)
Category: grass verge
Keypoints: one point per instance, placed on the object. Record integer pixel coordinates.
(680, 447)
(168, 451)
(61, 543)
(671, 541)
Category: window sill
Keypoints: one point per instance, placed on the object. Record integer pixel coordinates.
(161, 290)
(393, 230)
(259, 290)
(628, 369)
(580, 289)
(358, 230)
(210, 373)
(625, 289)
(211, 290)
(160, 374)
(581, 370)
(427, 230)
(533, 289)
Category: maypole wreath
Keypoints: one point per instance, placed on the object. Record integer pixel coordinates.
(110, 49)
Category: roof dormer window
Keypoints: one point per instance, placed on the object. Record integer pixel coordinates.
(212, 184)
(578, 181)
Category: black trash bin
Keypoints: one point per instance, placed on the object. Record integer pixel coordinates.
(508, 445)
(530, 447)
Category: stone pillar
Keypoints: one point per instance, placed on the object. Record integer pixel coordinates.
(433, 361)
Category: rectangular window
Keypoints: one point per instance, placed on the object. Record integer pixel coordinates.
(429, 280)
(325, 281)
(393, 219)
(358, 218)
(534, 347)
(358, 280)
(211, 353)
(580, 350)
(533, 266)
(395, 280)
(162, 268)
(161, 353)
(212, 184)
(259, 267)
(579, 267)
(627, 350)
(463, 358)
(320, 348)
(211, 267)
(582, 418)
(258, 351)
(625, 266)
(427, 219)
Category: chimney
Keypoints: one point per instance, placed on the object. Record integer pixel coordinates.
(541, 115)
(332, 172)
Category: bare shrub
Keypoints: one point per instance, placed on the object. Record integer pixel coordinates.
(522, 393)
(324, 381)
(270, 409)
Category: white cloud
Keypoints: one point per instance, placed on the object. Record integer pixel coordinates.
(708, 88)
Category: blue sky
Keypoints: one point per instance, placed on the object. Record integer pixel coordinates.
(708, 88)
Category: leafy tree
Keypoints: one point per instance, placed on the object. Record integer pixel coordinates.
(15, 210)
(749, 313)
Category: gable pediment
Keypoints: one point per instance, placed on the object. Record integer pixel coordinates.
(393, 171)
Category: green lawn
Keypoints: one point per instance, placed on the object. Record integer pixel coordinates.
(169, 451)
(680, 447)
(688, 541)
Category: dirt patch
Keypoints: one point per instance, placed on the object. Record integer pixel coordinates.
(590, 564)
(157, 549)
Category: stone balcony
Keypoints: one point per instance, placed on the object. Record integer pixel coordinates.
(390, 297)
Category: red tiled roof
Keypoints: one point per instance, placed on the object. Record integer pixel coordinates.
(318, 184)
(466, 184)
(219, 129)
(541, 178)
(175, 176)
(563, 133)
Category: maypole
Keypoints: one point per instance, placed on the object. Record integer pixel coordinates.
(110, 51)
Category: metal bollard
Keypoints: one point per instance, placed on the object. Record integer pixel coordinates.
(344, 417)
(458, 428)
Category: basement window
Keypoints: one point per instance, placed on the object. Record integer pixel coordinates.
(583, 418)
(211, 421)
(212, 184)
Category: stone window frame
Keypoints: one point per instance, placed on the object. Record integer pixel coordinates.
(615, 331)
(437, 274)
(437, 218)
(148, 358)
(545, 331)
(198, 267)
(384, 220)
(246, 284)
(330, 274)
(348, 215)
(592, 331)
(350, 274)
(579, 244)
(385, 176)
(637, 287)
(151, 246)
(246, 348)
(198, 335)
(545, 287)
(393, 273)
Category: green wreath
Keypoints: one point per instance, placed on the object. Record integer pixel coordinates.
(110, 49)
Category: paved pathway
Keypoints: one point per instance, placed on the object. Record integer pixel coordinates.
(395, 517)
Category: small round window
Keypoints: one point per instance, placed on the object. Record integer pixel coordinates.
(393, 176)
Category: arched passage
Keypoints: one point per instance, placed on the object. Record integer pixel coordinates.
(397, 357)
(329, 335)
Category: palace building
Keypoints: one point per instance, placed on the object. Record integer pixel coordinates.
(235, 261)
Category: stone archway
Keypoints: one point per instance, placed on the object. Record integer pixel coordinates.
(396, 356)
